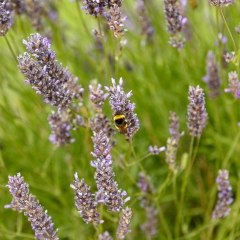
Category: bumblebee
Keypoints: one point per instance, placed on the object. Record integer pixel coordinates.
(120, 123)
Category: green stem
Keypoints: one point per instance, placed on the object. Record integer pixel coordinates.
(231, 150)
(104, 50)
(47, 161)
(164, 185)
(183, 189)
(224, 20)
(10, 47)
(141, 159)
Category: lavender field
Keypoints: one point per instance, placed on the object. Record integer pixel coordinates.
(119, 119)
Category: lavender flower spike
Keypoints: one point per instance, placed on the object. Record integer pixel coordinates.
(61, 135)
(105, 236)
(155, 150)
(85, 202)
(6, 17)
(115, 21)
(150, 227)
(108, 192)
(172, 142)
(40, 221)
(221, 3)
(224, 196)
(124, 223)
(97, 96)
(120, 105)
(212, 78)
(197, 115)
(233, 84)
(44, 73)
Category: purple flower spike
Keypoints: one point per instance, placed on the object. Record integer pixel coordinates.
(120, 105)
(221, 3)
(197, 115)
(23, 201)
(233, 84)
(6, 17)
(212, 78)
(85, 202)
(55, 83)
(124, 223)
(222, 208)
(108, 192)
(150, 227)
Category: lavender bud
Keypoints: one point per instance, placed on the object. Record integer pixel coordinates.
(221, 3)
(233, 84)
(105, 236)
(124, 223)
(173, 18)
(108, 192)
(177, 41)
(40, 221)
(212, 78)
(6, 17)
(155, 150)
(75, 89)
(172, 143)
(85, 202)
(237, 29)
(197, 115)
(174, 127)
(143, 184)
(35, 10)
(101, 123)
(151, 225)
(120, 105)
(229, 56)
(93, 7)
(115, 21)
(47, 76)
(97, 96)
(224, 196)
(146, 26)
(60, 128)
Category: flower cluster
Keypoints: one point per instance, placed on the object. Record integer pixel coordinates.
(105, 236)
(60, 128)
(101, 123)
(96, 8)
(34, 10)
(108, 192)
(6, 17)
(151, 225)
(224, 196)
(146, 26)
(85, 202)
(174, 23)
(212, 78)
(45, 74)
(121, 106)
(110, 9)
(155, 150)
(124, 223)
(40, 221)
(233, 84)
(172, 142)
(115, 21)
(196, 115)
(97, 96)
(221, 3)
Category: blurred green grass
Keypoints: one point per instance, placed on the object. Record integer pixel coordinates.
(159, 77)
